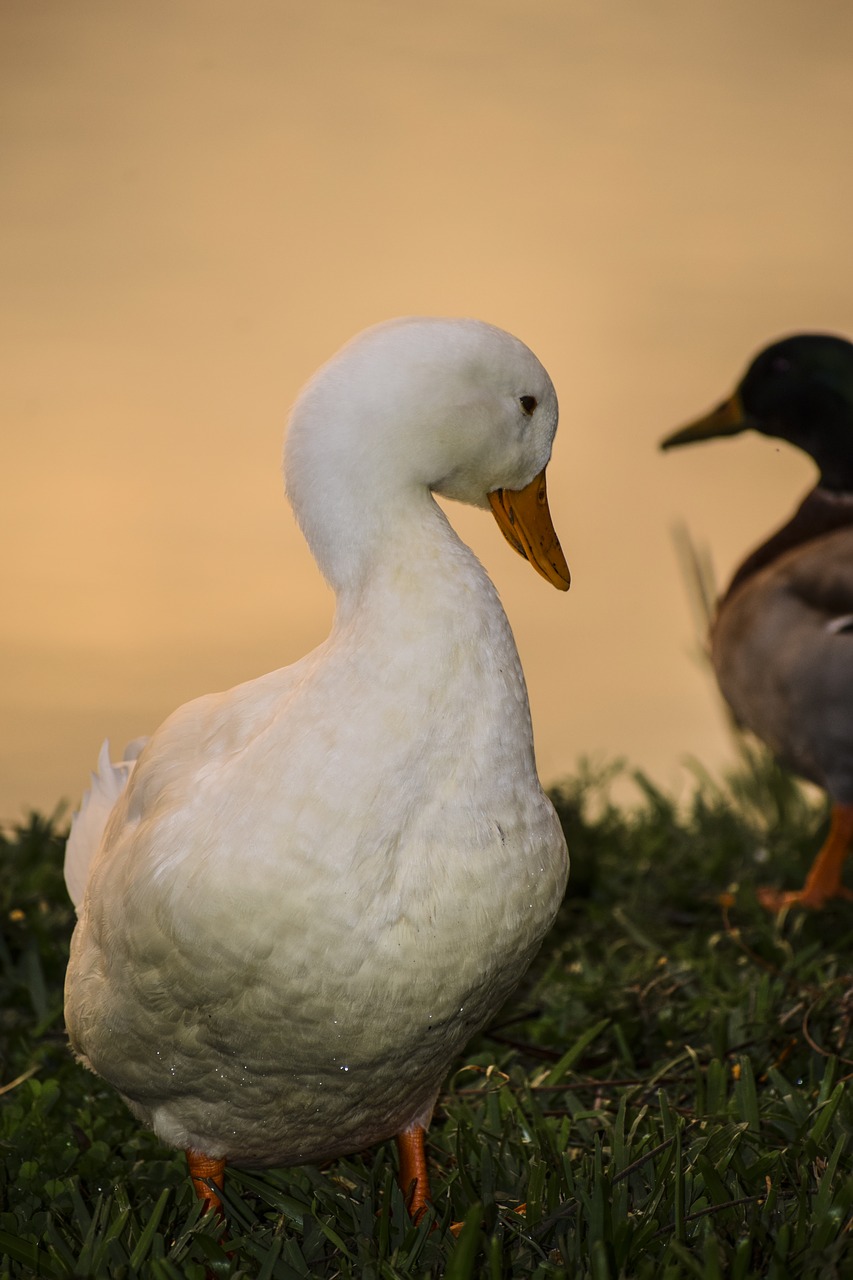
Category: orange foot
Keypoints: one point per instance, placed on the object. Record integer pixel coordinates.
(824, 880)
(204, 1171)
(778, 899)
(414, 1179)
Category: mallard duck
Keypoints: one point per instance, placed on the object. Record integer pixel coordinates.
(782, 638)
(312, 890)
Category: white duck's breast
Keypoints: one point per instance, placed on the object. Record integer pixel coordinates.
(282, 949)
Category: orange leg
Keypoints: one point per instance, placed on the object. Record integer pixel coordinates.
(824, 880)
(203, 1169)
(414, 1178)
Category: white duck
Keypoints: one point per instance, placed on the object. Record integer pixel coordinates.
(317, 886)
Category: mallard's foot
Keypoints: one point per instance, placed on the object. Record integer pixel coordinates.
(824, 880)
(778, 899)
(204, 1171)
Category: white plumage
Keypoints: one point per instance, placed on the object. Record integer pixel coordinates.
(108, 782)
(317, 886)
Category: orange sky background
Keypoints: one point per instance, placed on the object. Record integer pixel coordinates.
(200, 201)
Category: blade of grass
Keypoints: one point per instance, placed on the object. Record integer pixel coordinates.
(571, 1056)
(144, 1243)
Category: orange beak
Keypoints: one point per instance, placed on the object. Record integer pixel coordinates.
(525, 522)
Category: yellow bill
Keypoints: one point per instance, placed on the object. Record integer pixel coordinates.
(525, 522)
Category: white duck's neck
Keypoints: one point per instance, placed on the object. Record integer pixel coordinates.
(412, 567)
(354, 516)
(405, 583)
(417, 617)
(425, 625)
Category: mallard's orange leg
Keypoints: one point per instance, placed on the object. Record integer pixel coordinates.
(824, 880)
(202, 1171)
(414, 1178)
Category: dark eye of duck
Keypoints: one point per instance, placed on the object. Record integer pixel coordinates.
(781, 364)
(528, 404)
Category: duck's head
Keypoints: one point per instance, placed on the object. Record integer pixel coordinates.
(453, 407)
(799, 389)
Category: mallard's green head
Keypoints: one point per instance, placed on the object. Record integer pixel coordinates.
(799, 389)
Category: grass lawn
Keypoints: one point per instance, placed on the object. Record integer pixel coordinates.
(668, 1093)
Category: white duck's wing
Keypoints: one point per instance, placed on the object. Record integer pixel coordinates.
(87, 826)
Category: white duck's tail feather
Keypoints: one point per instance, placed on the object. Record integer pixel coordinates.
(88, 823)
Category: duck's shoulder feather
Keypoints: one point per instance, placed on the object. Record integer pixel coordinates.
(822, 512)
(782, 649)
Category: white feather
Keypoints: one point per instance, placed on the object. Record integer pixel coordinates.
(314, 888)
(89, 822)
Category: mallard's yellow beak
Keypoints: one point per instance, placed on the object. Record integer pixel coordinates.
(525, 522)
(726, 420)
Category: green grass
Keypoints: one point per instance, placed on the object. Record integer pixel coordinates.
(668, 1093)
